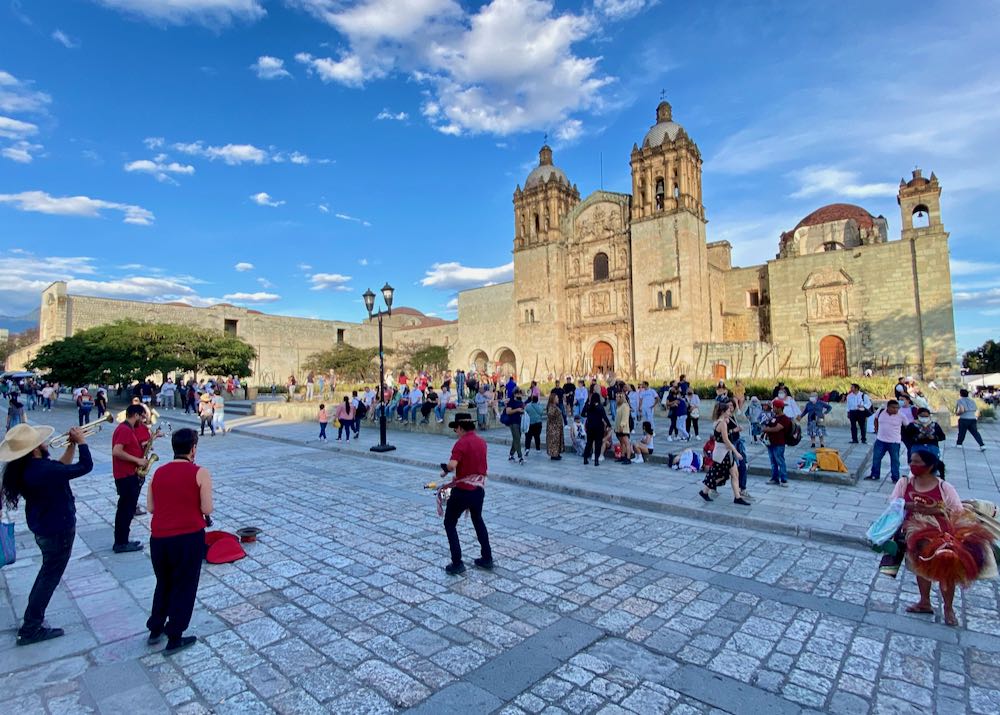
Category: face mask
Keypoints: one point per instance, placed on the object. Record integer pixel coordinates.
(925, 420)
(781, 395)
(813, 399)
(918, 470)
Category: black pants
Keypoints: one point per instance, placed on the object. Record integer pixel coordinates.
(56, 550)
(206, 421)
(970, 426)
(691, 425)
(859, 419)
(458, 502)
(673, 426)
(128, 497)
(534, 432)
(177, 565)
(595, 441)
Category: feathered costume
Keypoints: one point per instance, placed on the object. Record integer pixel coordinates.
(951, 549)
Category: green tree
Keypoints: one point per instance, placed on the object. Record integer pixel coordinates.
(984, 359)
(128, 350)
(433, 358)
(347, 361)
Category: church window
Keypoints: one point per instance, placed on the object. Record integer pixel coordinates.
(537, 224)
(659, 193)
(532, 315)
(753, 298)
(525, 316)
(833, 246)
(668, 299)
(659, 299)
(677, 191)
(601, 271)
(921, 217)
(340, 336)
(230, 327)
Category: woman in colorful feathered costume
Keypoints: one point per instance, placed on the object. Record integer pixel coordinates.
(944, 542)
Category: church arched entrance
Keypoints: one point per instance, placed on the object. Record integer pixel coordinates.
(506, 362)
(604, 357)
(479, 360)
(719, 371)
(832, 357)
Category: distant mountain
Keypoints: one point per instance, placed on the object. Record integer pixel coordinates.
(21, 322)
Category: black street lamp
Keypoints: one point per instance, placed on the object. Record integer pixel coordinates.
(369, 297)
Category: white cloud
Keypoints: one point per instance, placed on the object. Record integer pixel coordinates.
(41, 202)
(153, 142)
(455, 276)
(347, 70)
(268, 67)
(64, 39)
(397, 117)
(329, 281)
(159, 168)
(622, 9)
(265, 283)
(243, 266)
(829, 181)
(17, 96)
(570, 130)
(212, 13)
(452, 304)
(966, 268)
(506, 67)
(362, 261)
(259, 297)
(232, 154)
(21, 152)
(300, 158)
(304, 267)
(345, 217)
(11, 128)
(264, 199)
(324, 208)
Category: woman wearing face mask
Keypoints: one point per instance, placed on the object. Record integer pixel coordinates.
(943, 543)
(792, 409)
(924, 433)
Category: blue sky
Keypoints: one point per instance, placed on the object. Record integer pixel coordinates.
(287, 154)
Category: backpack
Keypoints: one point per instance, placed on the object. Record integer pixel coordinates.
(794, 435)
(361, 410)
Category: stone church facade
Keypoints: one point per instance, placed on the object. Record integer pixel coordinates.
(629, 283)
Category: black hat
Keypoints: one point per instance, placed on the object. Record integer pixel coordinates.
(462, 419)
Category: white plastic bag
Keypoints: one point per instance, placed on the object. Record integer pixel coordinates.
(885, 527)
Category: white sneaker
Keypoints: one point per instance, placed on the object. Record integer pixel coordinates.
(959, 446)
(982, 448)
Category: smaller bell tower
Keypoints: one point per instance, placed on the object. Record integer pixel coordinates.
(919, 202)
(538, 208)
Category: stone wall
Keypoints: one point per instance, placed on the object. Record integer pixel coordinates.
(486, 325)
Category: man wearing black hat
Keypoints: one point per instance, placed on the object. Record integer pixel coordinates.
(468, 461)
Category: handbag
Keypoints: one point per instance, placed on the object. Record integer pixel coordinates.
(695, 413)
(8, 549)
(525, 422)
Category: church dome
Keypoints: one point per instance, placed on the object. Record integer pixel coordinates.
(545, 171)
(837, 212)
(665, 129)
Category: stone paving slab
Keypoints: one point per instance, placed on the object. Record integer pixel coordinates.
(342, 605)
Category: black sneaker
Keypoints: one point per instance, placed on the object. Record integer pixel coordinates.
(127, 547)
(154, 637)
(741, 500)
(455, 569)
(179, 644)
(510, 458)
(42, 634)
(484, 564)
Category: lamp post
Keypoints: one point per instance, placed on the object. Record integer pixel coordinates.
(369, 297)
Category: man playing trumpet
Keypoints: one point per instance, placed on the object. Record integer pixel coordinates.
(50, 510)
(127, 455)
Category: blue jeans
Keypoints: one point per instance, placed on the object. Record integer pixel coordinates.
(439, 410)
(414, 411)
(776, 453)
(322, 430)
(880, 449)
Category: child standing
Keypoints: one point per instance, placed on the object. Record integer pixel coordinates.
(753, 412)
(324, 419)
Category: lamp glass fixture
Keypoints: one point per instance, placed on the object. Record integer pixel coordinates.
(387, 291)
(369, 300)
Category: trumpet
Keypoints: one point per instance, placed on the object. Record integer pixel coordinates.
(89, 429)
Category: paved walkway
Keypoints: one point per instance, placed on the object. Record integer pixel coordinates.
(342, 606)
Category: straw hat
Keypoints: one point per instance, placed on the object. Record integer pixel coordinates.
(21, 439)
(205, 397)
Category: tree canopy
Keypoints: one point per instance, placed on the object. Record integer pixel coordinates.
(347, 361)
(128, 350)
(433, 358)
(984, 359)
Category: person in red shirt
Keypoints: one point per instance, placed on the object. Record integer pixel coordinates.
(776, 432)
(468, 461)
(126, 456)
(179, 498)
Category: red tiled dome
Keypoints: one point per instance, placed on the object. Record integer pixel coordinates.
(837, 212)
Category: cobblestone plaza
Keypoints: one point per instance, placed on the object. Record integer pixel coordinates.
(343, 606)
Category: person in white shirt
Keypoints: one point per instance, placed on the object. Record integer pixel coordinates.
(219, 413)
(889, 423)
(167, 394)
(858, 406)
(647, 401)
(580, 395)
(416, 400)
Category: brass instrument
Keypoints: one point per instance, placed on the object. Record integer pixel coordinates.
(150, 456)
(89, 429)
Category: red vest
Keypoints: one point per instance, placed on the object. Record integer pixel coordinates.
(176, 500)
